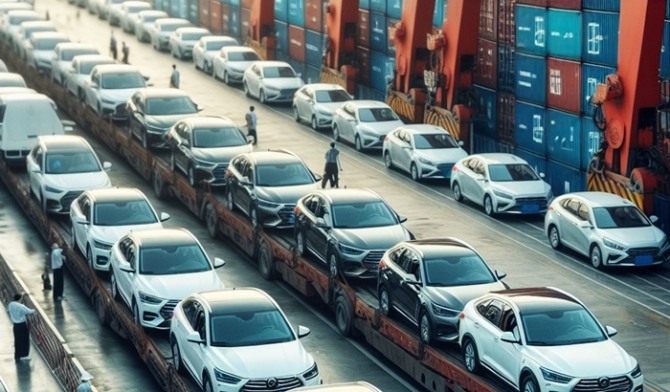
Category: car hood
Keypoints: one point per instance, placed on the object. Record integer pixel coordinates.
(219, 155)
(240, 66)
(456, 297)
(523, 188)
(329, 107)
(110, 234)
(635, 237)
(118, 95)
(442, 155)
(381, 128)
(78, 181)
(282, 83)
(372, 237)
(588, 360)
(178, 286)
(271, 360)
(284, 194)
(165, 121)
(42, 54)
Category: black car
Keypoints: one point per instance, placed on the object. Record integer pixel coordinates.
(153, 111)
(202, 147)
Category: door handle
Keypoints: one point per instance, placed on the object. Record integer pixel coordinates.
(476, 325)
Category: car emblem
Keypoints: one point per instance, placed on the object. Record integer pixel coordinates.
(603, 382)
(272, 383)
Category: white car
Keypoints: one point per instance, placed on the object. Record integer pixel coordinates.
(129, 11)
(501, 183)
(184, 39)
(80, 69)
(231, 63)
(608, 229)
(207, 48)
(25, 31)
(354, 386)
(162, 29)
(544, 340)
(60, 168)
(271, 81)
(315, 103)
(364, 123)
(422, 150)
(104, 7)
(145, 20)
(152, 270)
(12, 19)
(108, 88)
(61, 61)
(239, 340)
(11, 79)
(99, 217)
(40, 47)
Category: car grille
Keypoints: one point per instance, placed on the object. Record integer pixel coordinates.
(287, 92)
(445, 167)
(541, 201)
(219, 173)
(282, 384)
(69, 197)
(604, 384)
(286, 213)
(168, 309)
(371, 260)
(121, 110)
(635, 252)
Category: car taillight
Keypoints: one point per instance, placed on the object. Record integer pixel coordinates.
(382, 264)
(386, 139)
(461, 316)
(454, 168)
(550, 209)
(296, 210)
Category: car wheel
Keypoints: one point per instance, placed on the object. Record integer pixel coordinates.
(43, 203)
(73, 237)
(211, 220)
(99, 109)
(388, 161)
(114, 285)
(206, 384)
(458, 195)
(296, 115)
(226, 78)
(246, 89)
(300, 242)
(176, 355)
(144, 141)
(425, 328)
(470, 356)
(261, 97)
(230, 202)
(528, 384)
(488, 205)
(209, 70)
(89, 256)
(414, 172)
(191, 176)
(596, 257)
(358, 144)
(333, 265)
(136, 313)
(315, 124)
(385, 302)
(253, 216)
(554, 237)
(336, 133)
(173, 165)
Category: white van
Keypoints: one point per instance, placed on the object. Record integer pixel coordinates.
(24, 117)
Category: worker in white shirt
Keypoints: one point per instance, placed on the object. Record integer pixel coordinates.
(85, 385)
(17, 314)
(57, 258)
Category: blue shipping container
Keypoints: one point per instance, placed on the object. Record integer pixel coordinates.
(592, 75)
(529, 126)
(299, 68)
(158, 4)
(564, 37)
(194, 12)
(235, 3)
(235, 22)
(601, 37)
(564, 179)
(484, 144)
(391, 45)
(283, 56)
(313, 48)
(312, 74)
(531, 26)
(506, 68)
(281, 10)
(601, 5)
(179, 9)
(665, 51)
(378, 32)
(381, 68)
(563, 141)
(296, 12)
(535, 161)
(484, 121)
(438, 14)
(281, 33)
(531, 78)
(378, 5)
(662, 211)
(591, 140)
(394, 8)
(363, 4)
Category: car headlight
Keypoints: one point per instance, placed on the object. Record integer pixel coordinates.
(426, 161)
(224, 377)
(611, 244)
(555, 377)
(52, 189)
(267, 204)
(502, 194)
(102, 245)
(311, 372)
(150, 299)
(351, 250)
(444, 311)
(637, 372)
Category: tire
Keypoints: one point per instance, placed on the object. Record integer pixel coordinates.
(191, 176)
(458, 195)
(488, 205)
(357, 144)
(314, 124)
(333, 265)
(414, 172)
(343, 316)
(385, 301)
(253, 216)
(266, 263)
(176, 355)
(209, 70)
(89, 257)
(145, 142)
(388, 161)
(554, 237)
(470, 355)
(246, 89)
(211, 220)
(425, 328)
(226, 78)
(528, 384)
(296, 115)
(336, 133)
(114, 285)
(300, 242)
(173, 166)
(261, 97)
(230, 201)
(596, 257)
(158, 186)
(43, 203)
(136, 314)
(206, 384)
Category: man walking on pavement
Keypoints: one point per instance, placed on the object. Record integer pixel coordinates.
(333, 166)
(57, 258)
(174, 78)
(125, 50)
(113, 50)
(251, 124)
(17, 314)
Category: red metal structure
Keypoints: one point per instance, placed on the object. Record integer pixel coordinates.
(340, 62)
(261, 29)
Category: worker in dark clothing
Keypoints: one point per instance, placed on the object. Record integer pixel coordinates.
(113, 49)
(17, 314)
(251, 121)
(125, 50)
(333, 166)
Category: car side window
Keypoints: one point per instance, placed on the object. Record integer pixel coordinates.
(248, 172)
(86, 209)
(583, 212)
(320, 211)
(239, 165)
(406, 261)
(482, 306)
(200, 324)
(189, 308)
(493, 313)
(572, 206)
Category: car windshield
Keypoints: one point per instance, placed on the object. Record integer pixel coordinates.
(17, 20)
(167, 28)
(192, 36)
(283, 174)
(68, 54)
(218, 137)
(71, 162)
(512, 172)
(134, 9)
(122, 80)
(363, 215)
(619, 217)
(170, 105)
(377, 115)
(123, 213)
(250, 328)
(337, 95)
(173, 259)
(85, 68)
(457, 269)
(47, 43)
(243, 56)
(560, 327)
(216, 45)
(151, 18)
(434, 140)
(278, 72)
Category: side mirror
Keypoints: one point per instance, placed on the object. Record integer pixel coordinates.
(106, 165)
(461, 143)
(68, 125)
(405, 282)
(500, 274)
(318, 177)
(303, 331)
(584, 225)
(321, 223)
(218, 262)
(653, 219)
(402, 218)
(480, 177)
(150, 84)
(541, 175)
(508, 337)
(125, 267)
(79, 219)
(164, 216)
(245, 181)
(194, 337)
(146, 77)
(610, 331)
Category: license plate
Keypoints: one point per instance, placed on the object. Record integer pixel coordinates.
(644, 260)
(530, 208)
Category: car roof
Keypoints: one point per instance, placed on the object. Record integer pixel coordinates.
(241, 299)
(163, 237)
(367, 103)
(171, 20)
(21, 13)
(324, 86)
(600, 199)
(272, 156)
(10, 76)
(208, 121)
(349, 195)
(115, 194)
(162, 92)
(85, 58)
(355, 386)
(534, 299)
(48, 34)
(16, 90)
(64, 143)
(37, 23)
(223, 38)
(499, 157)
(22, 97)
(437, 246)
(152, 12)
(75, 45)
(105, 68)
(272, 63)
(134, 3)
(192, 29)
(423, 129)
(237, 48)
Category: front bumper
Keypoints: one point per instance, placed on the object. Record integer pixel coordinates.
(100, 256)
(214, 173)
(636, 257)
(521, 205)
(440, 171)
(362, 264)
(60, 202)
(614, 383)
(157, 316)
(278, 216)
(115, 111)
(283, 384)
(370, 141)
(283, 95)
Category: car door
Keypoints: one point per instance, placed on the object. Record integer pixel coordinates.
(92, 89)
(506, 356)
(405, 150)
(198, 54)
(488, 332)
(124, 279)
(36, 170)
(318, 237)
(195, 351)
(256, 75)
(183, 327)
(307, 103)
(136, 115)
(182, 147)
(82, 208)
(243, 191)
(582, 234)
(568, 222)
(467, 178)
(348, 123)
(407, 294)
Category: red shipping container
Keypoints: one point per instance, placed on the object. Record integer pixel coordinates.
(566, 4)
(363, 64)
(247, 4)
(215, 17)
(564, 85)
(488, 20)
(506, 22)
(225, 19)
(203, 6)
(486, 66)
(505, 117)
(537, 3)
(364, 28)
(245, 20)
(314, 15)
(296, 43)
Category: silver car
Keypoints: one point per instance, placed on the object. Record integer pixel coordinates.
(364, 123)
(144, 23)
(501, 183)
(11, 79)
(40, 49)
(161, 30)
(129, 11)
(231, 63)
(207, 48)
(80, 68)
(315, 103)
(184, 39)
(271, 81)
(26, 30)
(61, 61)
(609, 229)
(108, 88)
(422, 150)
